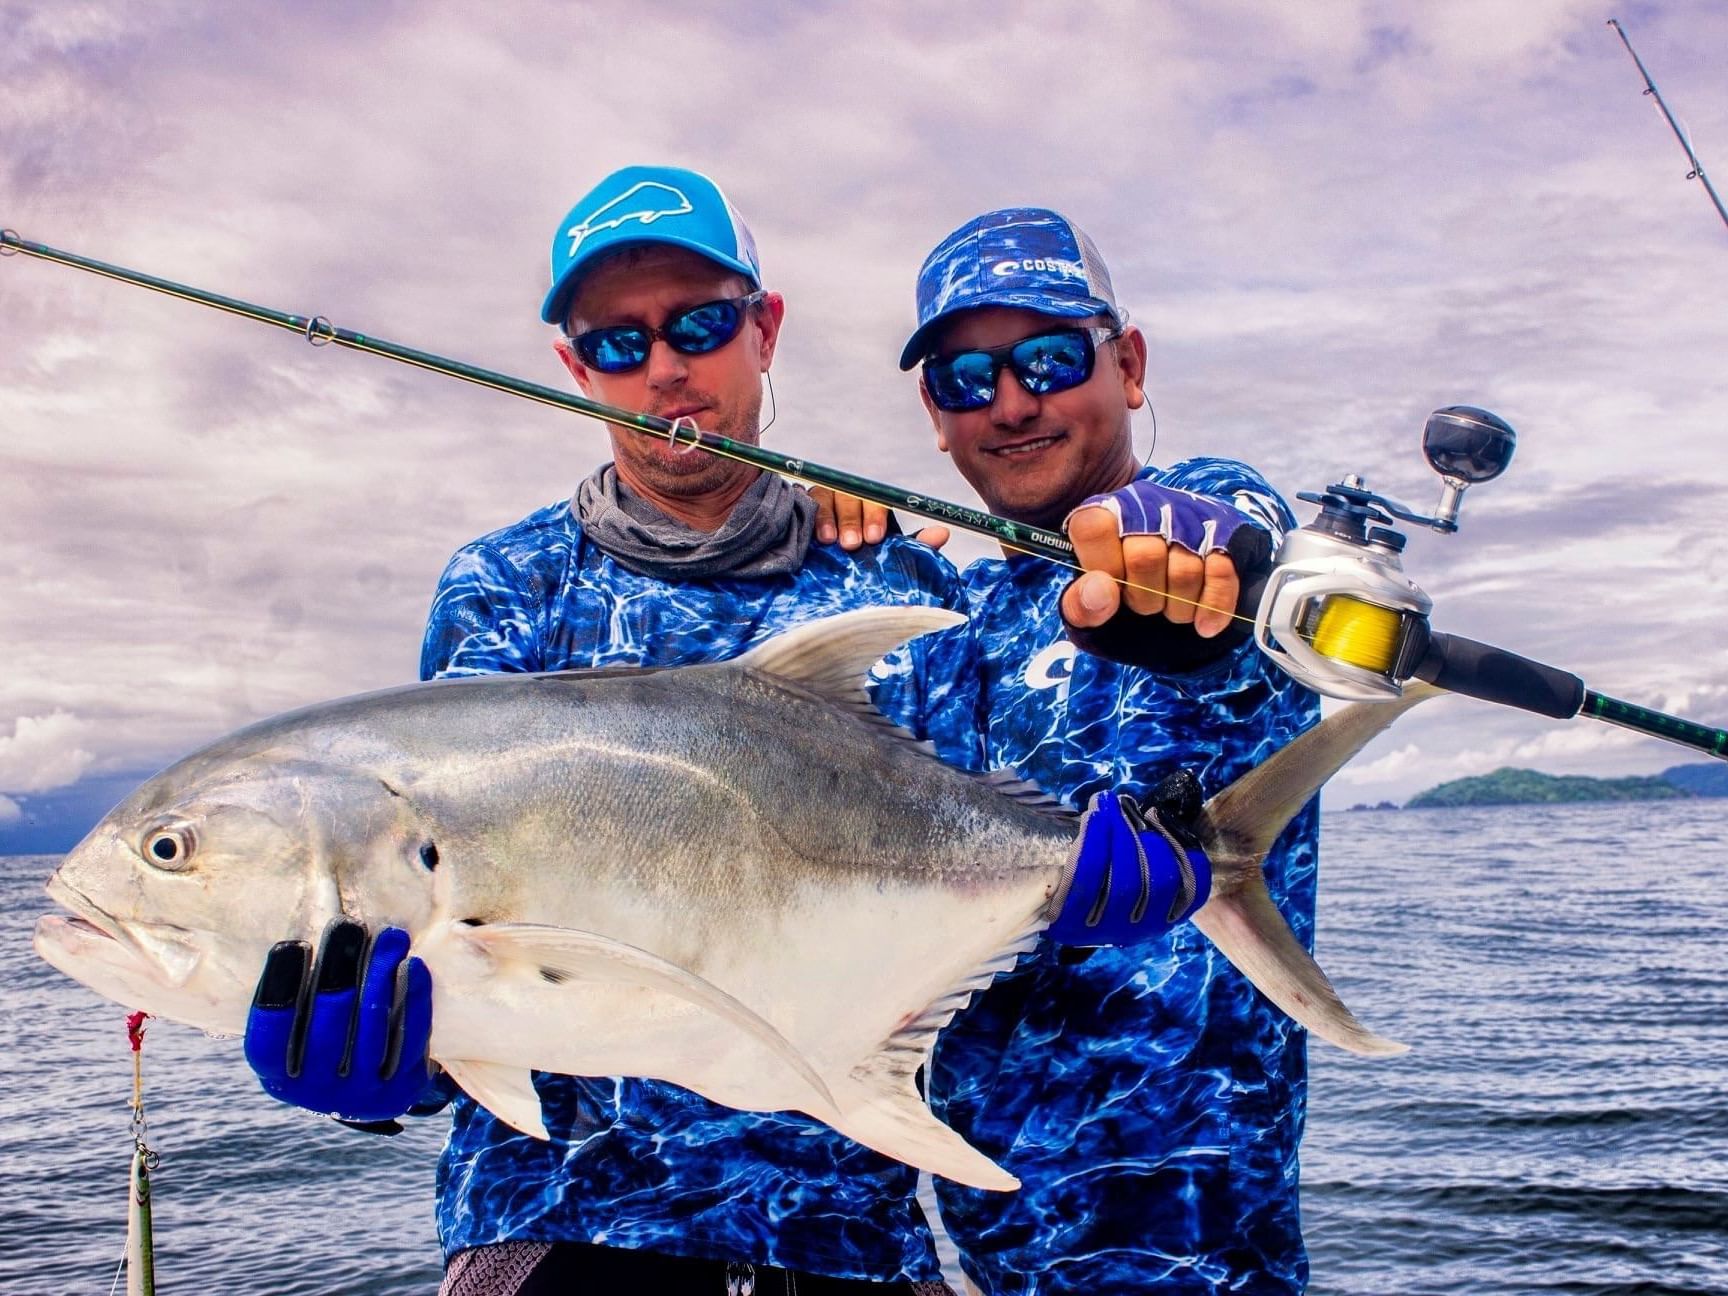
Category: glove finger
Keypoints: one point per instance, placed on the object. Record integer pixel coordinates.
(329, 1018)
(413, 1033)
(341, 954)
(284, 977)
(270, 1026)
(378, 1016)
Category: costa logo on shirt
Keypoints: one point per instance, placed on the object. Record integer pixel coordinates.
(1052, 668)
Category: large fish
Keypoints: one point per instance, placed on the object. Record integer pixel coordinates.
(734, 877)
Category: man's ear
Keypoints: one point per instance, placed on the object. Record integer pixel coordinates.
(935, 416)
(578, 370)
(767, 317)
(1131, 365)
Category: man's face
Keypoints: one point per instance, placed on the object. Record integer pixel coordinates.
(720, 390)
(1034, 458)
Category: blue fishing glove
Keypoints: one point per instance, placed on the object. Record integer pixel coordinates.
(1138, 870)
(345, 1033)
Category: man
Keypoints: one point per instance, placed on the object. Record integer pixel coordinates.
(663, 557)
(1148, 1097)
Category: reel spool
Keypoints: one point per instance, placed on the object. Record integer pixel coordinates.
(1337, 612)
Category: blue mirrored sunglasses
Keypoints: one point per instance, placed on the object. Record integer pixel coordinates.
(620, 348)
(1042, 364)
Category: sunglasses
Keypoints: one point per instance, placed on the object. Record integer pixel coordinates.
(1046, 363)
(697, 331)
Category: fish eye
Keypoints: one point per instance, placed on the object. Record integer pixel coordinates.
(168, 847)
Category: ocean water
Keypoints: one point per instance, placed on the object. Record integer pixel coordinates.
(1560, 1124)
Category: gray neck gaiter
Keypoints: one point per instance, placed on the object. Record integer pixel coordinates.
(766, 535)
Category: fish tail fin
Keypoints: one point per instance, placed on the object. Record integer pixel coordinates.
(1249, 931)
(1247, 816)
(1241, 823)
(882, 1110)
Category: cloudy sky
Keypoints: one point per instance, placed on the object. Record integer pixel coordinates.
(1331, 218)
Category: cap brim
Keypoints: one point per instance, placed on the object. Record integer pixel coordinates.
(556, 305)
(1055, 307)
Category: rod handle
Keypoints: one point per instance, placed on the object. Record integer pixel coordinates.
(1480, 670)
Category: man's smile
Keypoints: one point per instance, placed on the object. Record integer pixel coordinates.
(1027, 446)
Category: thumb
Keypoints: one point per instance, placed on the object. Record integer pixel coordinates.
(1091, 600)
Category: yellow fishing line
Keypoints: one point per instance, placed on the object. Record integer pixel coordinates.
(1357, 633)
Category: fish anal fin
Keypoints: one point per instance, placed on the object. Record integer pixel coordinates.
(1249, 931)
(506, 1091)
(560, 955)
(879, 1104)
(882, 1110)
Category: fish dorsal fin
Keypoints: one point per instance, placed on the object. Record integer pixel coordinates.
(832, 657)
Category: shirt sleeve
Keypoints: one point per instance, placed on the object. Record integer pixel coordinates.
(484, 618)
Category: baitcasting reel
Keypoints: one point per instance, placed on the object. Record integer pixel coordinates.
(1337, 611)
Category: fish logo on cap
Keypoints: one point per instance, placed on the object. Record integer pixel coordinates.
(658, 200)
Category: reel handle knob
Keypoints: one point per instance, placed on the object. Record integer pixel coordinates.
(1468, 443)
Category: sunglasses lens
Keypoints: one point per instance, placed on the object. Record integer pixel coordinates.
(961, 382)
(612, 350)
(1052, 362)
(704, 328)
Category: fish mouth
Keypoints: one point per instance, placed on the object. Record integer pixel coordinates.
(168, 952)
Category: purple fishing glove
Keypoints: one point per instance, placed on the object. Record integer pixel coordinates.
(1199, 523)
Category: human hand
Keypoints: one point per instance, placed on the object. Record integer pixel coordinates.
(854, 522)
(346, 1033)
(1179, 553)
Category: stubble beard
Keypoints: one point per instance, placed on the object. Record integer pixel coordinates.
(686, 472)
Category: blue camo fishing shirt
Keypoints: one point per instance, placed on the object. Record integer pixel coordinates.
(1149, 1099)
(641, 1163)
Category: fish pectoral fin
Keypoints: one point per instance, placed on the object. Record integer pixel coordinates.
(881, 1109)
(1249, 931)
(506, 1091)
(559, 954)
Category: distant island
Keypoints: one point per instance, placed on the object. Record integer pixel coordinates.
(1508, 786)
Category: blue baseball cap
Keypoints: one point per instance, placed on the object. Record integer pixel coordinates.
(647, 204)
(1028, 257)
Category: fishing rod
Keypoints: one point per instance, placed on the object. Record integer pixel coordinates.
(1335, 611)
(1697, 171)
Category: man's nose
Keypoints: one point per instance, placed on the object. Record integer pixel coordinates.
(1013, 404)
(666, 368)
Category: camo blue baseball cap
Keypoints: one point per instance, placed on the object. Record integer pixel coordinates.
(648, 204)
(1028, 257)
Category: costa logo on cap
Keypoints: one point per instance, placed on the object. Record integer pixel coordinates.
(1026, 257)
